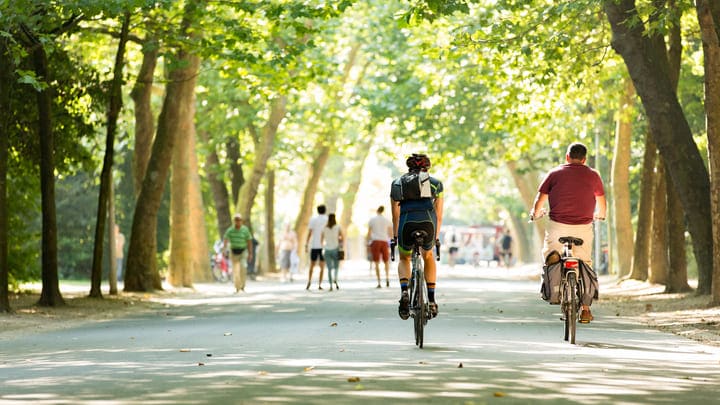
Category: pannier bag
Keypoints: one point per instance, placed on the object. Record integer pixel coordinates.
(552, 275)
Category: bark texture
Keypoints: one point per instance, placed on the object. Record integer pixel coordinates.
(646, 59)
(108, 162)
(144, 120)
(141, 270)
(620, 179)
(709, 19)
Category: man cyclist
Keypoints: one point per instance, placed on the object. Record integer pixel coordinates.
(576, 196)
(417, 204)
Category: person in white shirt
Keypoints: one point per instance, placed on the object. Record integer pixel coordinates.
(314, 244)
(378, 238)
(332, 239)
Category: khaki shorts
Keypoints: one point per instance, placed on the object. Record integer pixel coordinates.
(556, 230)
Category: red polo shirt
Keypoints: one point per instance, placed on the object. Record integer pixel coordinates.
(571, 190)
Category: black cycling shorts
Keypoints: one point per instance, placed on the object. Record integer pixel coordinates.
(416, 221)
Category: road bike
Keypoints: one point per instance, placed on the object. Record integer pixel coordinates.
(419, 304)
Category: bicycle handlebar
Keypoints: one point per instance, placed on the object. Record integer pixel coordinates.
(437, 249)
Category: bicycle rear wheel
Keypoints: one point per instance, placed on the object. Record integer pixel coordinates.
(419, 313)
(571, 308)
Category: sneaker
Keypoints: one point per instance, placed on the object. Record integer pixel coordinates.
(433, 309)
(586, 316)
(387, 283)
(404, 308)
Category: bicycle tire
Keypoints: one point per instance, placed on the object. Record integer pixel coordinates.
(571, 317)
(419, 303)
(420, 318)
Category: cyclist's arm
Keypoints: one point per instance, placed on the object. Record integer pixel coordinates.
(439, 215)
(601, 206)
(395, 208)
(538, 205)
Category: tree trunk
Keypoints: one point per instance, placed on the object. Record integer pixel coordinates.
(50, 295)
(263, 151)
(709, 17)
(646, 60)
(112, 240)
(270, 222)
(237, 178)
(144, 120)
(675, 221)
(217, 187)
(5, 95)
(306, 207)
(106, 174)
(641, 248)
(658, 240)
(141, 270)
(621, 211)
(198, 229)
(181, 263)
(527, 193)
(353, 186)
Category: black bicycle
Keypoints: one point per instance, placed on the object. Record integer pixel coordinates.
(571, 286)
(419, 304)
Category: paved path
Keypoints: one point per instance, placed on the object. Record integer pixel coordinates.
(495, 342)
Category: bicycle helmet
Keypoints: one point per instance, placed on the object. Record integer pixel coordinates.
(418, 161)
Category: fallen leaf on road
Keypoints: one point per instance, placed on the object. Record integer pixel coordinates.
(499, 394)
(209, 355)
(359, 387)
(648, 307)
(262, 372)
(333, 324)
(423, 362)
(201, 364)
(460, 365)
(354, 379)
(184, 350)
(309, 368)
(227, 334)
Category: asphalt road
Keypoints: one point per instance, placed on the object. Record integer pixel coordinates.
(495, 342)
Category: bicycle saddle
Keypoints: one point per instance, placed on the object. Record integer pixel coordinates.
(420, 235)
(571, 239)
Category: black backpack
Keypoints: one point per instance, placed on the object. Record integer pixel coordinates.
(411, 186)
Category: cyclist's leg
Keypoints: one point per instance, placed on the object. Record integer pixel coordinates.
(405, 252)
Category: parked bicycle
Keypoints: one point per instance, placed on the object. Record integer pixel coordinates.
(419, 304)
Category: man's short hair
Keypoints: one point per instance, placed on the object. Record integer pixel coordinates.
(321, 209)
(577, 151)
(380, 209)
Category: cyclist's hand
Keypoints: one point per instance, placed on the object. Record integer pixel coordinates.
(598, 217)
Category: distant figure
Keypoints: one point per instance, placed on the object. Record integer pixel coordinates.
(119, 251)
(453, 248)
(506, 248)
(240, 241)
(378, 240)
(332, 239)
(314, 243)
(288, 245)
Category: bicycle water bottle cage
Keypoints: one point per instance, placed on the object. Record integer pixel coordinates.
(572, 240)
